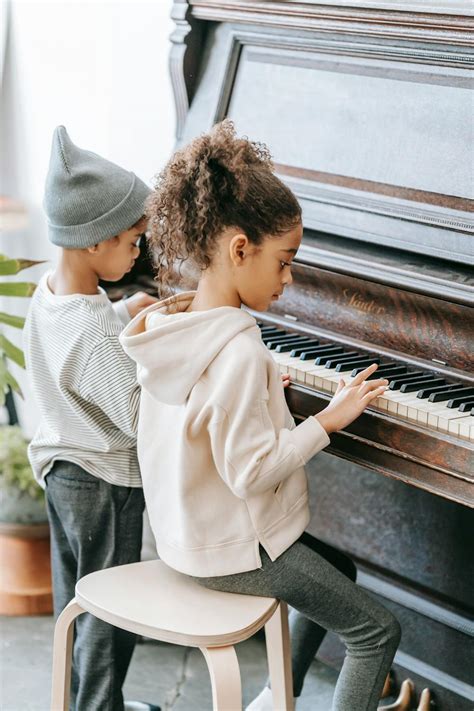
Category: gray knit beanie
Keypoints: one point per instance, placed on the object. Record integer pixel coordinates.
(88, 199)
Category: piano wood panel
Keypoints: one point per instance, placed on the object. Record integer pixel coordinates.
(378, 315)
(410, 547)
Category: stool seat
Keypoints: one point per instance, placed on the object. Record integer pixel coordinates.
(156, 601)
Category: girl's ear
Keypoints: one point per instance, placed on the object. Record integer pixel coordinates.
(238, 248)
(94, 249)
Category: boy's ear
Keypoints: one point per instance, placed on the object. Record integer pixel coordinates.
(94, 249)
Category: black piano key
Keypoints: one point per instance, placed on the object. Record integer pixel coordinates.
(396, 383)
(274, 342)
(296, 352)
(466, 406)
(326, 349)
(285, 347)
(384, 365)
(426, 392)
(267, 332)
(387, 372)
(415, 385)
(323, 360)
(357, 362)
(456, 401)
(449, 394)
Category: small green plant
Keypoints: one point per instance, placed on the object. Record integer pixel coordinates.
(8, 351)
(15, 470)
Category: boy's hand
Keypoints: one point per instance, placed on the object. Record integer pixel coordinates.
(350, 401)
(139, 301)
(285, 379)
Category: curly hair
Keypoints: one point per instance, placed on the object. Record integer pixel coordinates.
(215, 182)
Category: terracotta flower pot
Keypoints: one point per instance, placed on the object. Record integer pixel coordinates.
(25, 569)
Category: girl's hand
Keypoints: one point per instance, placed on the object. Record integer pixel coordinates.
(139, 301)
(350, 401)
(285, 379)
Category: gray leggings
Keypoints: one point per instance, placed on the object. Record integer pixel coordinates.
(318, 582)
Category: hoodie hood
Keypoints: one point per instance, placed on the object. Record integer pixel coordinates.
(173, 347)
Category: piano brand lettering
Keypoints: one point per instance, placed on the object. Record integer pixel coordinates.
(356, 300)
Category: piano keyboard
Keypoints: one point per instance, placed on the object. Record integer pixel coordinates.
(416, 396)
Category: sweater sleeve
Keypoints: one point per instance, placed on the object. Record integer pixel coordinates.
(109, 381)
(249, 454)
(121, 311)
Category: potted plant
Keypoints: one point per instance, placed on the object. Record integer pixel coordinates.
(21, 498)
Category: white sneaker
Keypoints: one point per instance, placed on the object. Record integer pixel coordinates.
(263, 702)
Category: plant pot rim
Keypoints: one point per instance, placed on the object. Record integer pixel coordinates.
(24, 530)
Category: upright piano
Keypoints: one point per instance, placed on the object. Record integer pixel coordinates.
(366, 107)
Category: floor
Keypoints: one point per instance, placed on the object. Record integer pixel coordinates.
(173, 677)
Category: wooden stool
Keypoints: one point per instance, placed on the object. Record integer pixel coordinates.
(152, 600)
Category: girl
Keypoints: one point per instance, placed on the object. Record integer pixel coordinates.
(221, 459)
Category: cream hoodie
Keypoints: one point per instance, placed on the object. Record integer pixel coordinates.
(222, 462)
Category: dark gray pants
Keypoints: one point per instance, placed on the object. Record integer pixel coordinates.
(318, 582)
(94, 525)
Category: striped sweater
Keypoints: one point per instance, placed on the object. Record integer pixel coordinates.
(84, 384)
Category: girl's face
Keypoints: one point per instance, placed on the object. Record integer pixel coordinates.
(262, 272)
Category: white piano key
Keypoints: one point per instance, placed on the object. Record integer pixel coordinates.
(304, 371)
(439, 419)
(463, 428)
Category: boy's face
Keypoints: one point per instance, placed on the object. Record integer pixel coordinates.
(114, 257)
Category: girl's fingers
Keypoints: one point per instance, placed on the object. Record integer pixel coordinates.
(373, 385)
(373, 394)
(341, 384)
(364, 374)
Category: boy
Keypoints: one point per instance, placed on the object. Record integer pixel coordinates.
(84, 451)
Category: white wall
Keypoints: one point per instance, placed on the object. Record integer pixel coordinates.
(99, 68)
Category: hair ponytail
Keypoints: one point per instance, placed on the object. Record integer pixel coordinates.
(216, 181)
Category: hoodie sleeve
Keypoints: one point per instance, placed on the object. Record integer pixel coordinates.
(249, 454)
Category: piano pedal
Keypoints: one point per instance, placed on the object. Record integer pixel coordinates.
(425, 703)
(404, 701)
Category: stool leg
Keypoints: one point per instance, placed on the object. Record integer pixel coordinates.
(62, 656)
(277, 638)
(225, 678)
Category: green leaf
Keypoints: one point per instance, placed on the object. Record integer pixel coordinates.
(7, 380)
(15, 321)
(13, 383)
(3, 381)
(11, 351)
(13, 266)
(18, 288)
